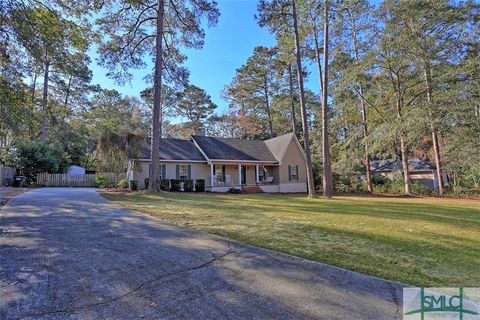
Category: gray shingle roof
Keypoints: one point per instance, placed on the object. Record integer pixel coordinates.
(234, 149)
(177, 149)
(388, 165)
(278, 145)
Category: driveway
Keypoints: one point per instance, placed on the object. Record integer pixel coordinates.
(67, 253)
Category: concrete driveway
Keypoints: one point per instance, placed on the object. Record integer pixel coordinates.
(67, 253)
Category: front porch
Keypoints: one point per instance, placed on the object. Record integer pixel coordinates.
(224, 176)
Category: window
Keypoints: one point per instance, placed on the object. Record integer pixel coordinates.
(163, 169)
(183, 172)
(292, 173)
(219, 174)
(261, 174)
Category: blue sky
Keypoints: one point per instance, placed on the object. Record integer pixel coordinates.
(227, 47)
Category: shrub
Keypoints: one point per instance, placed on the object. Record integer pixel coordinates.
(32, 158)
(133, 185)
(101, 181)
(188, 185)
(234, 190)
(146, 181)
(199, 185)
(122, 183)
(174, 185)
(164, 184)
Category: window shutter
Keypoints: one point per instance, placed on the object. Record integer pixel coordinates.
(289, 173)
(296, 172)
(214, 170)
(223, 173)
(164, 171)
(189, 172)
(177, 172)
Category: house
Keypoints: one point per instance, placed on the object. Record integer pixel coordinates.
(420, 171)
(274, 165)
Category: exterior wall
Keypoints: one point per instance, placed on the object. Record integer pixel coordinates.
(293, 156)
(293, 187)
(267, 188)
(199, 171)
(232, 171)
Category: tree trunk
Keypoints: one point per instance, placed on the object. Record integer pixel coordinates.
(406, 171)
(436, 147)
(327, 171)
(308, 158)
(267, 104)
(403, 147)
(317, 56)
(365, 144)
(154, 170)
(67, 94)
(43, 132)
(34, 85)
(363, 111)
(292, 100)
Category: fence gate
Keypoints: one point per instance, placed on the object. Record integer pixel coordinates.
(77, 180)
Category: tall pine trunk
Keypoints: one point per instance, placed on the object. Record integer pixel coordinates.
(363, 111)
(317, 57)
(436, 147)
(327, 171)
(403, 146)
(67, 94)
(267, 105)
(298, 55)
(34, 85)
(292, 100)
(154, 170)
(44, 120)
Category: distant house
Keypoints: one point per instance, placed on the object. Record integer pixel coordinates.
(420, 171)
(274, 165)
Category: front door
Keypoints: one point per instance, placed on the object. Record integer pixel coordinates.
(244, 175)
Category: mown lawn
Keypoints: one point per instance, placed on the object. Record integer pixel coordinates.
(423, 242)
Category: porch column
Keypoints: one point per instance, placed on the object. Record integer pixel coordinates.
(212, 176)
(257, 176)
(239, 174)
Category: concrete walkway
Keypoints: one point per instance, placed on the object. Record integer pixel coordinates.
(71, 254)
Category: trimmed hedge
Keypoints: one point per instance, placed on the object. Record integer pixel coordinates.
(133, 185)
(199, 185)
(234, 190)
(164, 185)
(147, 183)
(188, 185)
(174, 185)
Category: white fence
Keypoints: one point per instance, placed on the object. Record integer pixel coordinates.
(6, 175)
(78, 180)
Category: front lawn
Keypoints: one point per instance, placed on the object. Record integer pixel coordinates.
(423, 242)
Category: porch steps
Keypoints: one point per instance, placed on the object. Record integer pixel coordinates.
(252, 189)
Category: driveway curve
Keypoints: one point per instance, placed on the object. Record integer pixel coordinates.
(68, 253)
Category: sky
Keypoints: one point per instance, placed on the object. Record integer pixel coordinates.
(227, 47)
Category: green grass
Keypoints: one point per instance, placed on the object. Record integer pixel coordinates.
(421, 241)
